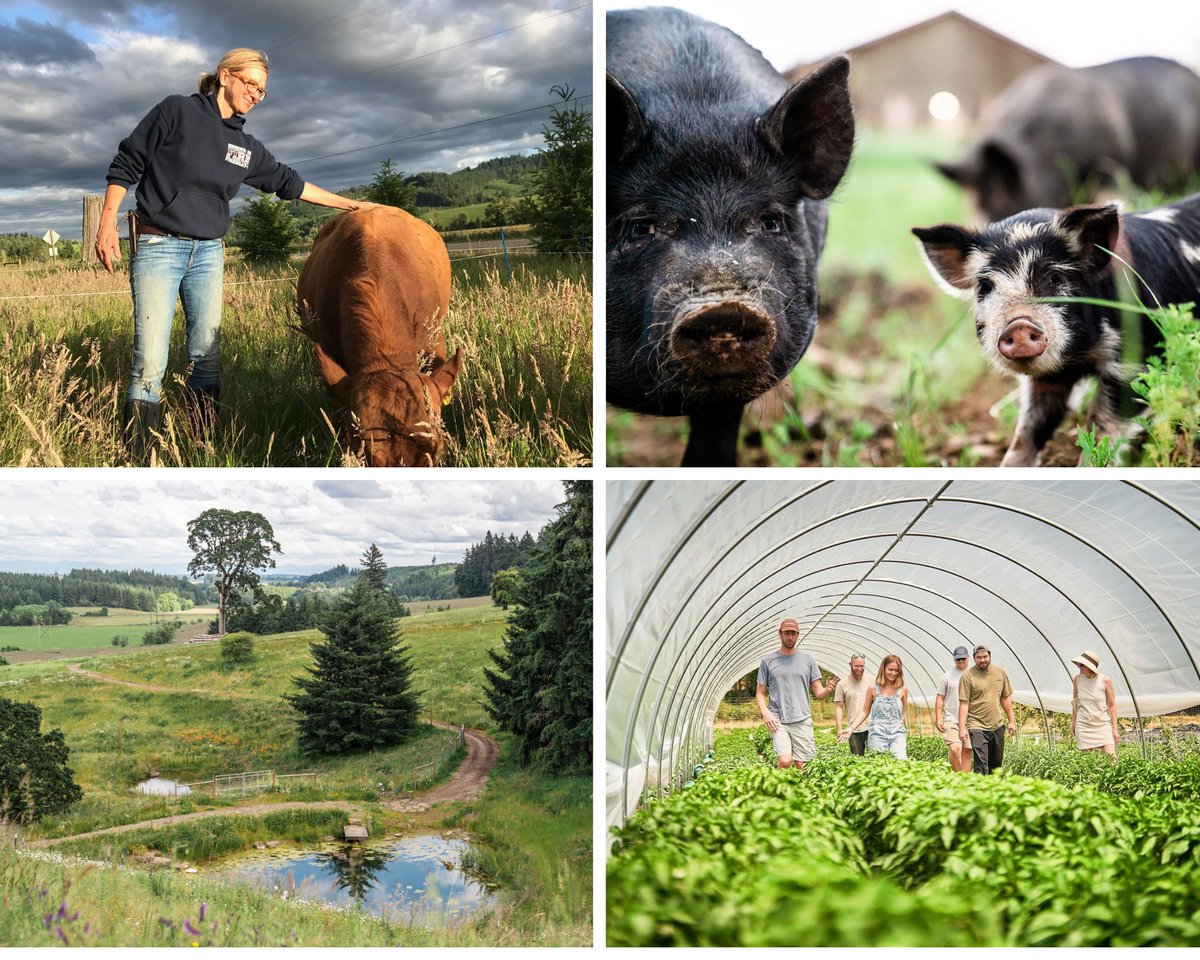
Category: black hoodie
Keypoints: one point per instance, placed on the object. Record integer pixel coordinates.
(189, 162)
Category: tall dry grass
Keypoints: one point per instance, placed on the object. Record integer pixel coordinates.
(524, 398)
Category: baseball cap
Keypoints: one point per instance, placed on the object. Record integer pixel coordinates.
(982, 647)
(960, 653)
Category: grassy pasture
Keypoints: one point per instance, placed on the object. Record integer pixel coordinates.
(524, 398)
(894, 376)
(533, 831)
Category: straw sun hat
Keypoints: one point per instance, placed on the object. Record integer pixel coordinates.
(1089, 660)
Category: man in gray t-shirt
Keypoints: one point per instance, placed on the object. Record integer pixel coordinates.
(786, 677)
(945, 711)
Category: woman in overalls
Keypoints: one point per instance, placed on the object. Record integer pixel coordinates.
(885, 705)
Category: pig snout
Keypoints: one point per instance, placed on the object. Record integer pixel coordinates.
(1022, 339)
(723, 338)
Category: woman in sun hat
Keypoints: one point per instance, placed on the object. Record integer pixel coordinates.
(189, 157)
(1094, 707)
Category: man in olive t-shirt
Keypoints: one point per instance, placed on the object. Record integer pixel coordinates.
(983, 692)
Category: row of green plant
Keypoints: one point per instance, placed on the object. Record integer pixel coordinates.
(1131, 776)
(926, 857)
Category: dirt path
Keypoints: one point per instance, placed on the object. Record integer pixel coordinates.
(155, 688)
(465, 784)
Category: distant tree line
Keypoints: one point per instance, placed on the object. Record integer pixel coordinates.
(28, 614)
(480, 184)
(410, 584)
(26, 247)
(483, 560)
(132, 589)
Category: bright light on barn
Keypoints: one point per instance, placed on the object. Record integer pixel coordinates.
(943, 106)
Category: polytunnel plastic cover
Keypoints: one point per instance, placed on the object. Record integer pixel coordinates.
(699, 574)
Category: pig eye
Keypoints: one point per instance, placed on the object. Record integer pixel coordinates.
(642, 229)
(984, 287)
(1059, 277)
(772, 224)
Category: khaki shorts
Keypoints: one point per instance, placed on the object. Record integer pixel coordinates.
(951, 734)
(795, 740)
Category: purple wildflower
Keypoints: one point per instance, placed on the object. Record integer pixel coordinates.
(203, 909)
(167, 923)
(190, 929)
(62, 911)
(47, 920)
(62, 936)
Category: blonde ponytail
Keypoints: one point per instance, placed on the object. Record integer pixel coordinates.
(233, 61)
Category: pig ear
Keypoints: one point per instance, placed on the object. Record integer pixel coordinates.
(812, 127)
(960, 173)
(945, 249)
(330, 371)
(626, 125)
(443, 377)
(1090, 227)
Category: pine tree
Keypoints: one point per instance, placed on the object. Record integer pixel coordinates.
(374, 569)
(266, 230)
(562, 201)
(359, 693)
(542, 691)
(390, 187)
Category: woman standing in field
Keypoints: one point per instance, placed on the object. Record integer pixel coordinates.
(189, 156)
(1094, 707)
(885, 705)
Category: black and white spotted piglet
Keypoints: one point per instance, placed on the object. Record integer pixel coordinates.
(1008, 267)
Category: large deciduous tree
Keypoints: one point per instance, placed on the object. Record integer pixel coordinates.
(358, 695)
(542, 691)
(234, 545)
(34, 777)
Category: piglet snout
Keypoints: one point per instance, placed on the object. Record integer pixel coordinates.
(726, 338)
(1022, 339)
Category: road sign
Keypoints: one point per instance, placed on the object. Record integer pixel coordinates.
(53, 252)
(51, 237)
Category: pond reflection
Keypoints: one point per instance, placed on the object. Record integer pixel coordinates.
(403, 880)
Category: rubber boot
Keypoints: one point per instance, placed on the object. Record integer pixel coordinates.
(202, 406)
(141, 419)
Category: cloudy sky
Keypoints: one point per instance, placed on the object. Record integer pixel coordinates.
(54, 520)
(1076, 34)
(453, 80)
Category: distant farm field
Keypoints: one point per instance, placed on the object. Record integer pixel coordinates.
(523, 399)
(83, 633)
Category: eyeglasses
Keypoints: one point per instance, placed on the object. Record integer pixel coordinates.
(959, 659)
(251, 87)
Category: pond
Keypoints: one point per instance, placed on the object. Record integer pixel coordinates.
(161, 787)
(407, 880)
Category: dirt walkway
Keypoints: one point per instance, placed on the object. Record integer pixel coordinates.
(465, 784)
(155, 688)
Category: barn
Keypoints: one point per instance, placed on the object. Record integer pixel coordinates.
(936, 74)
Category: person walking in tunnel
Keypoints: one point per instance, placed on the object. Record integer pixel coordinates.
(1094, 707)
(885, 704)
(945, 710)
(848, 700)
(785, 680)
(983, 692)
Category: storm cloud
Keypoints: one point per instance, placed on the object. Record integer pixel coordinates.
(433, 84)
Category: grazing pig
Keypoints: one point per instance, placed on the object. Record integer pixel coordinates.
(717, 179)
(1008, 267)
(372, 296)
(1055, 129)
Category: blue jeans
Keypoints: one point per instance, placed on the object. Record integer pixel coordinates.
(166, 269)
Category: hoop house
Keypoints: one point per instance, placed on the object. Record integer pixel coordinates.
(701, 572)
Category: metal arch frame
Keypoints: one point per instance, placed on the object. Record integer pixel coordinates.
(917, 587)
(620, 520)
(707, 573)
(1095, 549)
(977, 502)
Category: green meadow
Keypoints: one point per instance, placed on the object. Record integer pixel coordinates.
(529, 833)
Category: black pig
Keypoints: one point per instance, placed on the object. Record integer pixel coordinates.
(1008, 268)
(717, 179)
(1055, 128)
